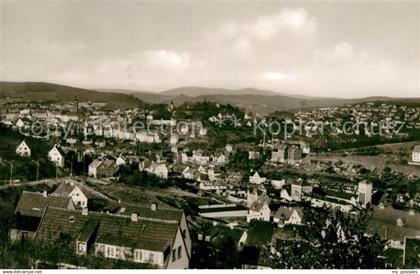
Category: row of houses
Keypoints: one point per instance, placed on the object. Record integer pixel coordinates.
(144, 234)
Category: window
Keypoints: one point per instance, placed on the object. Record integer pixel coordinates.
(173, 255)
(110, 251)
(81, 247)
(179, 252)
(151, 257)
(138, 255)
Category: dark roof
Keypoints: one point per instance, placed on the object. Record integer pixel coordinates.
(111, 229)
(285, 212)
(145, 211)
(64, 189)
(33, 204)
(256, 206)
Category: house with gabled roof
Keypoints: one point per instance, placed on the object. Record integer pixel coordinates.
(160, 212)
(69, 189)
(158, 169)
(158, 243)
(257, 179)
(23, 150)
(288, 215)
(57, 156)
(259, 210)
(102, 168)
(29, 211)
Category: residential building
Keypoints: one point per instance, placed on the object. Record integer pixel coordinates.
(294, 155)
(256, 179)
(155, 242)
(158, 169)
(260, 209)
(300, 189)
(69, 189)
(23, 150)
(102, 168)
(364, 193)
(415, 158)
(29, 210)
(57, 156)
(288, 215)
(279, 155)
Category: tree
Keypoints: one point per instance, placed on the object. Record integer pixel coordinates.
(331, 240)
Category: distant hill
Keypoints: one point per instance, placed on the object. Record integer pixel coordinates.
(265, 104)
(35, 91)
(261, 101)
(201, 91)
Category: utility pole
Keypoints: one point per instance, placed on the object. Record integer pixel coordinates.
(11, 170)
(37, 169)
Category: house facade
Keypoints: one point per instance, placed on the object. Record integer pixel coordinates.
(57, 156)
(288, 215)
(155, 242)
(23, 150)
(415, 155)
(69, 189)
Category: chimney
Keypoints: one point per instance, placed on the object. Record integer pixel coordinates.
(44, 194)
(153, 206)
(134, 217)
(85, 211)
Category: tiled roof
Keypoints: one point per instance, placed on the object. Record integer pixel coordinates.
(64, 189)
(111, 229)
(145, 211)
(416, 148)
(256, 206)
(33, 204)
(285, 212)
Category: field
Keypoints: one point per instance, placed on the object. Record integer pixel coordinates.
(394, 156)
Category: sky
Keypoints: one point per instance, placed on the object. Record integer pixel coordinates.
(317, 48)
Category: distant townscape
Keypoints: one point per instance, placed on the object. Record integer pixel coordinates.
(203, 184)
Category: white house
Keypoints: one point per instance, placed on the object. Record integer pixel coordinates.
(23, 150)
(93, 168)
(288, 215)
(259, 210)
(20, 123)
(278, 184)
(364, 191)
(69, 189)
(219, 159)
(57, 156)
(158, 169)
(212, 186)
(121, 160)
(415, 157)
(256, 179)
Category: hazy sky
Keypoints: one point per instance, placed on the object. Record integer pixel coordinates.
(318, 48)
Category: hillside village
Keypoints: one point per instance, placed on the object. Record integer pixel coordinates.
(164, 186)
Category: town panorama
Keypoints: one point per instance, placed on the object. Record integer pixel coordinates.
(255, 146)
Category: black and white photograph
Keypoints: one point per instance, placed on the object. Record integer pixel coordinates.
(196, 134)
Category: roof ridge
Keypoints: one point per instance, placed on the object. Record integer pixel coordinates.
(118, 215)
